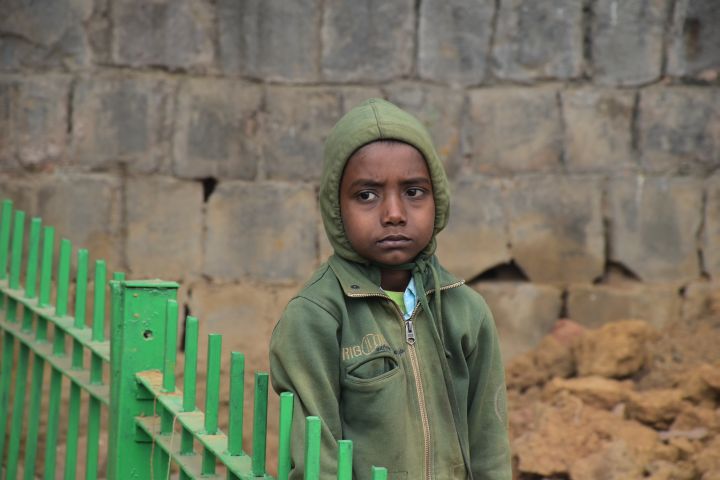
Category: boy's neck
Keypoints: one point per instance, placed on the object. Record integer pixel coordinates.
(394, 280)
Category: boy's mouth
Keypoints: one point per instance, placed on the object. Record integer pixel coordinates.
(391, 241)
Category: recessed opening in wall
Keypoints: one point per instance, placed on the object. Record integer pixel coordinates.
(209, 184)
(505, 272)
(616, 272)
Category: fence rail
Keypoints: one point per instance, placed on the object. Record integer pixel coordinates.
(154, 427)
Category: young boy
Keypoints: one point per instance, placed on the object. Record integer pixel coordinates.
(382, 343)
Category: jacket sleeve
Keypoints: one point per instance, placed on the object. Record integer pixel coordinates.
(304, 360)
(487, 406)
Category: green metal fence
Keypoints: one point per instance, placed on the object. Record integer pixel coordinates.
(154, 427)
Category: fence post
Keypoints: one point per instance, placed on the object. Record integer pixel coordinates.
(137, 341)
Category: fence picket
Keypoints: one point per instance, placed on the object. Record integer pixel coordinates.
(312, 448)
(237, 399)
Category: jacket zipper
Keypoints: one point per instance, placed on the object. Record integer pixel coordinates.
(415, 364)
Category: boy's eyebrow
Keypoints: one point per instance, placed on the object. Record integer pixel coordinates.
(366, 182)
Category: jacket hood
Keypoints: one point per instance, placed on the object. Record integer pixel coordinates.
(375, 119)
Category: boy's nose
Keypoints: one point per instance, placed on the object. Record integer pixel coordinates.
(394, 211)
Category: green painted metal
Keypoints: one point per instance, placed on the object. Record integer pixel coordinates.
(237, 399)
(379, 473)
(138, 318)
(312, 448)
(260, 424)
(345, 451)
(7, 207)
(284, 435)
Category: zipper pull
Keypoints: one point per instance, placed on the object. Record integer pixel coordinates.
(409, 332)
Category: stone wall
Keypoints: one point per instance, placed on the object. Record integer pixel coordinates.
(183, 139)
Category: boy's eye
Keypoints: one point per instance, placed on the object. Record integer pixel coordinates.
(415, 192)
(367, 196)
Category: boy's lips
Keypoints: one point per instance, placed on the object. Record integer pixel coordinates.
(392, 241)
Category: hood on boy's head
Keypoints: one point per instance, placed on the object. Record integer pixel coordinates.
(375, 119)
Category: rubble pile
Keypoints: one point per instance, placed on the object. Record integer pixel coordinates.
(625, 401)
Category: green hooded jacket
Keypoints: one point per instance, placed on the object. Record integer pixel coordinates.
(426, 406)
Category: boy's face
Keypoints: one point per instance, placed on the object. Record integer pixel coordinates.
(386, 202)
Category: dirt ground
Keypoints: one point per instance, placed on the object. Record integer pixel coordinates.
(625, 401)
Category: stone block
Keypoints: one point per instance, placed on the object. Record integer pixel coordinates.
(355, 95)
(121, 120)
(217, 129)
(33, 121)
(454, 40)
(297, 122)
(155, 207)
(476, 237)
(692, 49)
(627, 41)
(654, 224)
(176, 34)
(596, 305)
(270, 39)
(538, 39)
(21, 190)
(512, 130)
(598, 130)
(711, 232)
(701, 299)
(264, 231)
(364, 40)
(524, 313)
(44, 34)
(556, 229)
(680, 129)
(86, 209)
(440, 109)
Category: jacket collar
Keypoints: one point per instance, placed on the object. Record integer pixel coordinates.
(358, 280)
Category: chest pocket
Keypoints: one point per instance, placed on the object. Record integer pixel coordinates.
(372, 368)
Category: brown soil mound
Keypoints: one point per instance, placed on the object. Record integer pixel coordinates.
(621, 402)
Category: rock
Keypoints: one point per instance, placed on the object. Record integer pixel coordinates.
(567, 332)
(264, 231)
(217, 132)
(298, 120)
(152, 245)
(708, 460)
(656, 408)
(95, 225)
(616, 350)
(475, 238)
(702, 299)
(664, 470)
(711, 234)
(539, 39)
(598, 392)
(566, 433)
(598, 127)
(625, 465)
(177, 34)
(693, 45)
(33, 121)
(679, 129)
(121, 119)
(657, 248)
(627, 41)
(696, 416)
(513, 130)
(270, 39)
(556, 228)
(40, 35)
(440, 109)
(454, 40)
(596, 305)
(523, 313)
(549, 359)
(366, 40)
